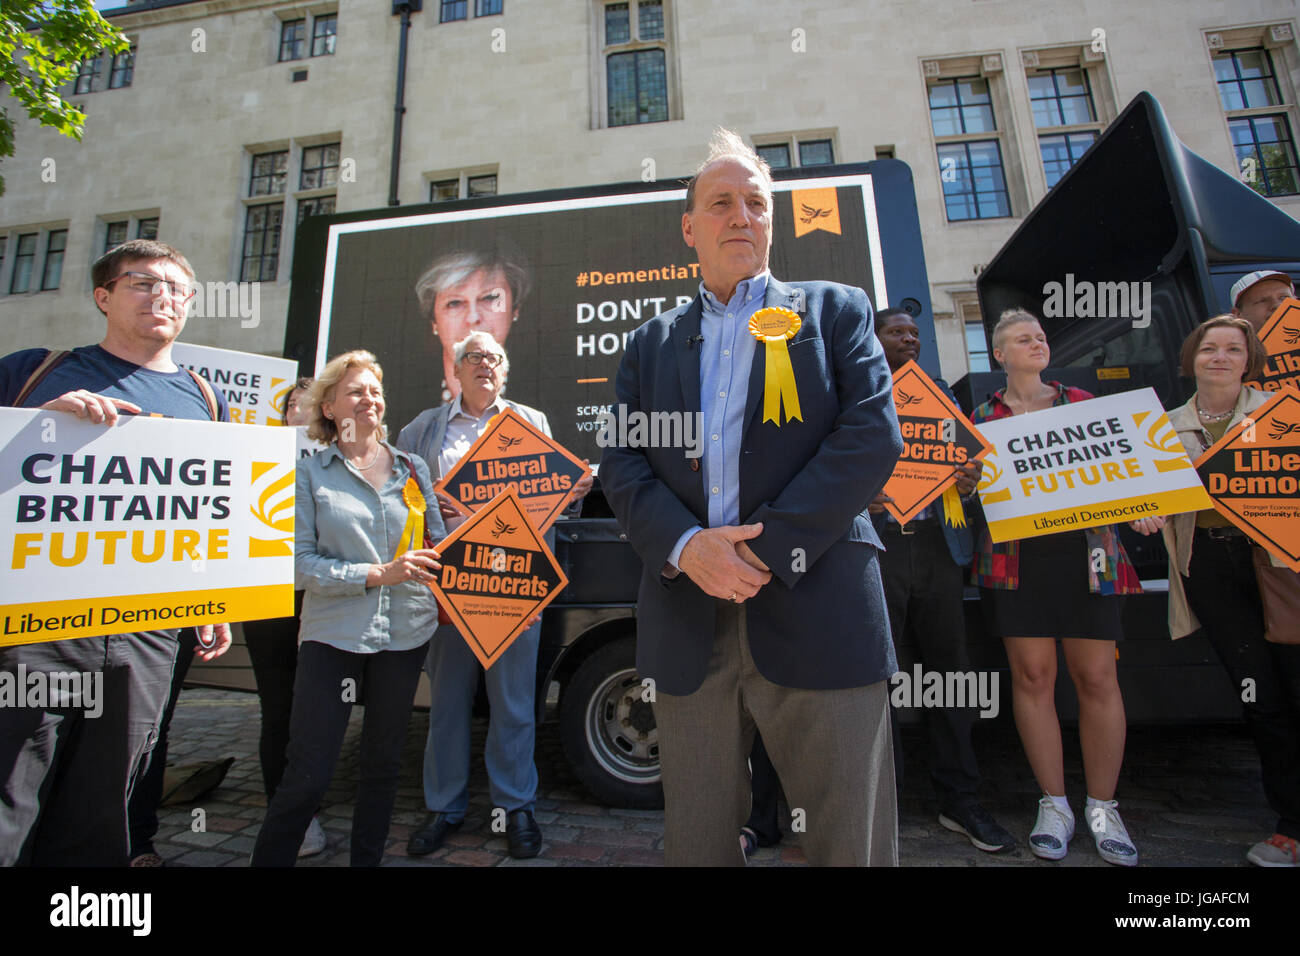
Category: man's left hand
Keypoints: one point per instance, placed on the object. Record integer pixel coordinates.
(214, 640)
(968, 476)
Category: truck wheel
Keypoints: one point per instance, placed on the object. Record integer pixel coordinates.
(609, 730)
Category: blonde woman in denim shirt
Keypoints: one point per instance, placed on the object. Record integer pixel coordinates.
(367, 616)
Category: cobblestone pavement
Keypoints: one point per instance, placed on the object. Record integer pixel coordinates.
(1190, 796)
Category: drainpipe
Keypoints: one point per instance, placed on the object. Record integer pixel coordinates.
(405, 8)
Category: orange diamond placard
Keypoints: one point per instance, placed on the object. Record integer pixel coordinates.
(1280, 337)
(497, 574)
(1253, 476)
(937, 438)
(513, 454)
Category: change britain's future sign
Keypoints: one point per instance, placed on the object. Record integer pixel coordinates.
(153, 523)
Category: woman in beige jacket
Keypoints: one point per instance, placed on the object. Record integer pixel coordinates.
(1212, 583)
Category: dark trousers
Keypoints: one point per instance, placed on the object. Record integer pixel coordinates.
(147, 792)
(923, 590)
(273, 650)
(1223, 594)
(322, 703)
(66, 776)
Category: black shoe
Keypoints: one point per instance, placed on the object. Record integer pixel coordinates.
(979, 826)
(523, 835)
(430, 836)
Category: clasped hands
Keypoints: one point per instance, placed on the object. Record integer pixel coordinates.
(723, 566)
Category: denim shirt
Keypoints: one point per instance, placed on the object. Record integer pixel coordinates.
(342, 526)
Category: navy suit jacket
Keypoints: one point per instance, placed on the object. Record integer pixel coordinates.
(821, 622)
(960, 541)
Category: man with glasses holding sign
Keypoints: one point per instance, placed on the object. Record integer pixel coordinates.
(63, 799)
(442, 436)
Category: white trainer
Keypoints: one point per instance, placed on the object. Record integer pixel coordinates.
(313, 840)
(1052, 832)
(1113, 842)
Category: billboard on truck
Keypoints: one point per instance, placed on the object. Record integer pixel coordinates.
(563, 278)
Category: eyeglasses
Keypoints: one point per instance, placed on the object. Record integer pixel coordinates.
(490, 359)
(147, 284)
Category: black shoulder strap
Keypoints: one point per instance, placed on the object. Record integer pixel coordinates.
(47, 365)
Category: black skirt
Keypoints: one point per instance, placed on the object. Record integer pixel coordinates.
(1053, 599)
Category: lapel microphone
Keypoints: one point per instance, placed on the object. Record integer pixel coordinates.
(691, 340)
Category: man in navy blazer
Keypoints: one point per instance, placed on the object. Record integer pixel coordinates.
(780, 621)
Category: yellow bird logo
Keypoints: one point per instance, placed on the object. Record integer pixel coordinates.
(505, 442)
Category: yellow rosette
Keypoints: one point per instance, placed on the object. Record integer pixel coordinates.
(413, 530)
(774, 327)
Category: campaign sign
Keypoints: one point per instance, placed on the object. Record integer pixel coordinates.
(497, 575)
(937, 439)
(255, 386)
(1280, 337)
(513, 454)
(1253, 476)
(1109, 459)
(154, 523)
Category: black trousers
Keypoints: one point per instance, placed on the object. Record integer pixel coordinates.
(147, 792)
(273, 650)
(67, 775)
(1223, 594)
(321, 706)
(923, 591)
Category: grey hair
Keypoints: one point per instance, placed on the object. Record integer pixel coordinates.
(463, 346)
(454, 268)
(726, 144)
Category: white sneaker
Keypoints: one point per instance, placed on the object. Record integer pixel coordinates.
(313, 840)
(1277, 850)
(1052, 831)
(1113, 842)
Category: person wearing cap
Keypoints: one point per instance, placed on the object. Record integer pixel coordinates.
(1255, 297)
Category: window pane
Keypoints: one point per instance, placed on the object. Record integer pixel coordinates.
(147, 229)
(946, 121)
(482, 186)
(1252, 63)
(320, 206)
(261, 243)
(815, 152)
(123, 68)
(58, 242)
(620, 72)
(320, 167)
(292, 37)
(1267, 160)
(652, 87)
(778, 156)
(650, 20)
(88, 74)
(115, 234)
(487, 8)
(1224, 67)
(24, 257)
(974, 186)
(323, 33)
(943, 94)
(444, 189)
(977, 347)
(1259, 93)
(453, 10)
(618, 26)
(269, 171)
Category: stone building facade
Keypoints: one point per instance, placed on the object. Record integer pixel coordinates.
(231, 119)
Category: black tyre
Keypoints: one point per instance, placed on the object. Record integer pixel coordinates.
(608, 728)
